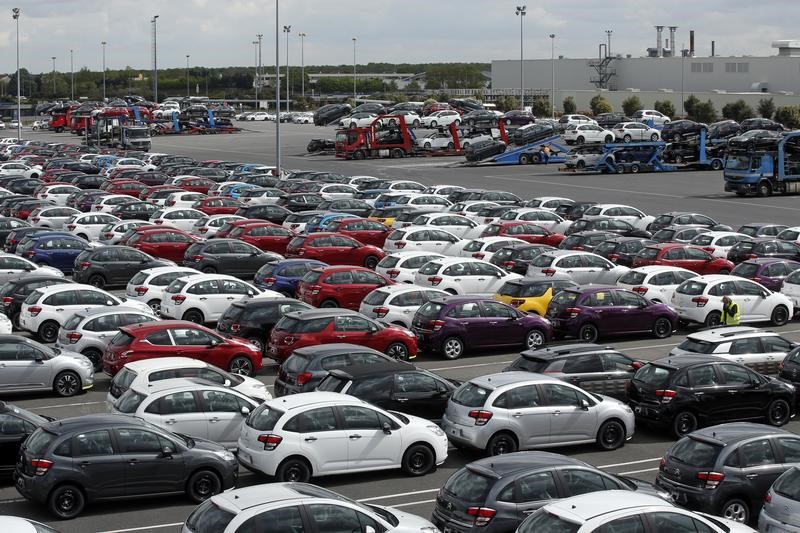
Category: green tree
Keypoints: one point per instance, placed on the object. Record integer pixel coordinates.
(688, 105)
(766, 107)
(789, 116)
(540, 106)
(413, 85)
(738, 111)
(507, 103)
(599, 104)
(631, 105)
(569, 105)
(704, 112)
(665, 107)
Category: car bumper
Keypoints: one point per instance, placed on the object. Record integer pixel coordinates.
(772, 525)
(465, 436)
(690, 497)
(256, 461)
(279, 353)
(566, 327)
(30, 487)
(692, 314)
(650, 413)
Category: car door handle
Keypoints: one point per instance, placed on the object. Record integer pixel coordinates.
(60, 309)
(354, 437)
(203, 298)
(517, 415)
(230, 298)
(84, 464)
(751, 476)
(171, 421)
(341, 336)
(556, 413)
(401, 399)
(214, 419)
(310, 439)
(133, 462)
(492, 323)
(732, 391)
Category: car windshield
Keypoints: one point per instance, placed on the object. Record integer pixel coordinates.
(693, 452)
(470, 395)
(545, 522)
(739, 162)
(696, 345)
(632, 277)
(691, 288)
(788, 485)
(209, 518)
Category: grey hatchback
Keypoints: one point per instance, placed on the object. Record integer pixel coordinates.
(781, 509)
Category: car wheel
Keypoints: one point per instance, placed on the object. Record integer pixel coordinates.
(415, 124)
(724, 272)
(580, 140)
(635, 168)
(626, 139)
(464, 146)
(778, 413)
(97, 280)
(716, 164)
(209, 270)
(258, 343)
(508, 122)
(352, 125)
(95, 356)
(736, 510)
(418, 460)
(359, 154)
(392, 122)
(588, 333)
(66, 502)
(67, 384)
(452, 348)
(713, 319)
(202, 485)
(434, 124)
(83, 236)
(241, 365)
(620, 168)
(155, 305)
(683, 423)
(294, 469)
(764, 188)
(611, 435)
(501, 444)
(193, 315)
(580, 164)
(450, 146)
(534, 339)
(397, 153)
(427, 146)
(397, 350)
(609, 139)
(457, 123)
(328, 304)
(662, 328)
(48, 332)
(780, 316)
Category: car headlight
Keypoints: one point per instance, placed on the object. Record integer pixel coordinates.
(436, 430)
(86, 362)
(628, 409)
(429, 529)
(225, 455)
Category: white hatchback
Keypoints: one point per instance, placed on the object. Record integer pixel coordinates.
(13, 266)
(396, 304)
(541, 217)
(485, 247)
(631, 215)
(401, 267)
(203, 298)
(109, 202)
(458, 225)
(209, 225)
(183, 199)
(587, 133)
(462, 275)
(57, 194)
(53, 217)
(657, 283)
(89, 225)
(148, 286)
(112, 232)
(718, 243)
(177, 217)
(791, 288)
(422, 239)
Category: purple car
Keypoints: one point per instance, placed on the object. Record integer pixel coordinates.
(518, 118)
(451, 323)
(768, 271)
(591, 311)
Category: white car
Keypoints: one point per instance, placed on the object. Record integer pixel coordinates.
(471, 208)
(790, 234)
(396, 304)
(13, 266)
(202, 299)
(402, 266)
(259, 115)
(190, 407)
(109, 202)
(15, 168)
(633, 216)
(718, 243)
(88, 226)
(112, 232)
(209, 225)
(436, 141)
(405, 186)
(46, 309)
(178, 217)
(358, 120)
(147, 286)
(303, 118)
(54, 217)
(546, 219)
(129, 163)
(299, 436)
(428, 202)
(441, 118)
(297, 222)
(422, 239)
(574, 120)
(587, 133)
(443, 190)
(222, 189)
(485, 247)
(336, 191)
(635, 131)
(458, 225)
(582, 267)
(651, 114)
(183, 199)
(791, 288)
(657, 283)
(699, 300)
(57, 194)
(548, 203)
(759, 349)
(261, 196)
(462, 275)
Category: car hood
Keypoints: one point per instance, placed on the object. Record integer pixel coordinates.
(733, 527)
(207, 445)
(72, 355)
(51, 271)
(408, 521)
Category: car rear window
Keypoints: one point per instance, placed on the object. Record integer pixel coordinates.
(470, 395)
(311, 276)
(122, 339)
(295, 363)
(298, 325)
(654, 375)
(430, 310)
(129, 402)
(788, 485)
(396, 235)
(208, 518)
(73, 322)
(696, 346)
(693, 452)
(264, 418)
(529, 364)
(332, 384)
(33, 297)
(648, 253)
(390, 261)
(175, 287)
(39, 441)
(138, 278)
(544, 522)
(430, 268)
(564, 299)
(543, 260)
(469, 486)
(124, 378)
(691, 288)
(376, 298)
(632, 278)
(745, 270)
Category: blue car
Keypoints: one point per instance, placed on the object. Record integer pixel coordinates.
(236, 191)
(319, 222)
(283, 276)
(57, 250)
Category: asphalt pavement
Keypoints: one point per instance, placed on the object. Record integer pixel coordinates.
(654, 193)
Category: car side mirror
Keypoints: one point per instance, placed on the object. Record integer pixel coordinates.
(38, 359)
(245, 410)
(166, 452)
(636, 365)
(585, 404)
(764, 294)
(387, 428)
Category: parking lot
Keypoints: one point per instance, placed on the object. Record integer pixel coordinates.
(653, 193)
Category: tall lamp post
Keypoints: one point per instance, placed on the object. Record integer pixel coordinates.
(287, 30)
(354, 71)
(104, 69)
(54, 75)
(553, 75)
(521, 14)
(187, 75)
(255, 66)
(71, 78)
(15, 16)
(155, 58)
(259, 36)
(684, 52)
(277, 91)
(302, 66)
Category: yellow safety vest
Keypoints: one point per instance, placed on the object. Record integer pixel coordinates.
(731, 314)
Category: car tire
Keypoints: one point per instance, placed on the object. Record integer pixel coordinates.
(258, 343)
(359, 155)
(611, 435)
(415, 124)
(778, 413)
(534, 339)
(501, 444)
(579, 141)
(95, 356)
(676, 137)
(620, 168)
(450, 146)
(67, 383)
(626, 139)
(471, 122)
(209, 270)
(434, 124)
(716, 164)
(418, 460)
(780, 316)
(48, 331)
(398, 351)
(329, 304)
(352, 125)
(155, 305)
(609, 139)
(427, 146)
(736, 509)
(452, 348)
(588, 333)
(635, 168)
(713, 319)
(524, 159)
(241, 365)
(293, 469)
(202, 485)
(66, 502)
(193, 315)
(392, 122)
(662, 328)
(508, 122)
(83, 236)
(456, 123)
(683, 423)
(97, 280)
(581, 164)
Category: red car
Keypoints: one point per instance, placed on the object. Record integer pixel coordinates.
(50, 176)
(217, 205)
(334, 249)
(122, 186)
(339, 286)
(680, 255)
(527, 231)
(264, 236)
(195, 184)
(23, 209)
(178, 338)
(363, 230)
(162, 241)
(326, 326)
(145, 194)
(227, 228)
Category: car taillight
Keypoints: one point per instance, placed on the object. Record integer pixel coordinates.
(71, 227)
(752, 256)
(303, 378)
(315, 289)
(380, 311)
(436, 325)
(481, 417)
(36, 219)
(711, 479)
(393, 273)
(548, 271)
(483, 515)
(768, 497)
(29, 253)
(8, 300)
(435, 280)
(141, 291)
(97, 207)
(479, 255)
(269, 281)
(270, 441)
(573, 311)
(158, 221)
(701, 301)
(662, 465)
(516, 302)
(289, 340)
(170, 202)
(83, 265)
(197, 258)
(41, 466)
(780, 365)
(509, 264)
(106, 235)
(178, 298)
(125, 354)
(613, 257)
(74, 337)
(400, 244)
(203, 230)
(34, 310)
(666, 395)
(640, 290)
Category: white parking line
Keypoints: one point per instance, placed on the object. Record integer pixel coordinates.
(638, 471)
(398, 495)
(630, 463)
(144, 528)
(473, 365)
(64, 405)
(420, 502)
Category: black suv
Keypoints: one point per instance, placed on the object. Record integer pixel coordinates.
(763, 247)
(622, 250)
(585, 240)
(483, 149)
(518, 256)
(253, 319)
(394, 386)
(15, 426)
(727, 469)
(269, 212)
(592, 367)
(108, 266)
(227, 256)
(480, 117)
(681, 218)
(759, 124)
(14, 291)
(71, 462)
(723, 129)
(685, 392)
(609, 120)
(328, 114)
(613, 225)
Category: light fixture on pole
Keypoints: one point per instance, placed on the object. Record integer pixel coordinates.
(104, 69)
(155, 58)
(187, 75)
(521, 14)
(54, 75)
(553, 75)
(354, 71)
(71, 78)
(15, 16)
(259, 37)
(684, 53)
(302, 66)
(255, 66)
(277, 91)
(287, 30)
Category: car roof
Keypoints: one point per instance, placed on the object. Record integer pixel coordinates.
(161, 363)
(728, 333)
(681, 361)
(244, 498)
(405, 287)
(78, 423)
(736, 431)
(768, 260)
(653, 269)
(321, 313)
(500, 379)
(177, 384)
(303, 399)
(445, 261)
(108, 310)
(66, 287)
(501, 466)
(156, 271)
(555, 352)
(147, 327)
(557, 276)
(581, 509)
(387, 367)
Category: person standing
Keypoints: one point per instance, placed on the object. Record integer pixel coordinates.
(730, 312)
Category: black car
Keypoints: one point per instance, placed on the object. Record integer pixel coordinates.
(760, 123)
(622, 250)
(15, 426)
(490, 213)
(679, 233)
(358, 208)
(752, 139)
(406, 106)
(394, 386)
(727, 469)
(681, 130)
(9, 224)
(135, 210)
(681, 218)
(253, 319)
(585, 240)
(99, 457)
(518, 256)
(761, 229)
(516, 484)
(532, 133)
(14, 291)
(681, 153)
(609, 120)
(370, 107)
(465, 105)
(306, 367)
(302, 201)
(262, 180)
(271, 213)
(684, 392)
(152, 178)
(316, 145)
(484, 149)
(23, 185)
(763, 247)
(479, 117)
(227, 256)
(620, 227)
(571, 210)
(518, 118)
(724, 129)
(331, 113)
(86, 181)
(112, 266)
(82, 166)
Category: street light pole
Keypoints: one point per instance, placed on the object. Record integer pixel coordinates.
(302, 66)
(255, 66)
(683, 56)
(15, 16)
(155, 58)
(277, 91)
(354, 71)
(521, 14)
(259, 36)
(553, 75)
(54, 76)
(104, 69)
(187, 75)
(71, 78)
(286, 30)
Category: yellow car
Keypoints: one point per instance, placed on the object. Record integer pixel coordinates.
(532, 295)
(387, 215)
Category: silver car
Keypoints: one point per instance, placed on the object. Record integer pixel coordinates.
(26, 365)
(510, 411)
(781, 511)
(582, 267)
(89, 332)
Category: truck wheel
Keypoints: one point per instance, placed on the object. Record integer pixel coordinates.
(398, 153)
(635, 168)
(764, 188)
(524, 159)
(676, 137)
(620, 168)
(358, 154)
(716, 164)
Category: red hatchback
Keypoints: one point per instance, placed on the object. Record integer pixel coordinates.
(363, 230)
(162, 241)
(265, 236)
(680, 255)
(334, 249)
(195, 184)
(227, 228)
(217, 205)
(526, 231)
(130, 187)
(327, 326)
(339, 286)
(145, 194)
(179, 338)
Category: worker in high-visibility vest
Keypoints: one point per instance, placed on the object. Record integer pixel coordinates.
(730, 312)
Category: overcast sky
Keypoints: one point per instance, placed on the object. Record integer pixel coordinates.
(220, 32)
